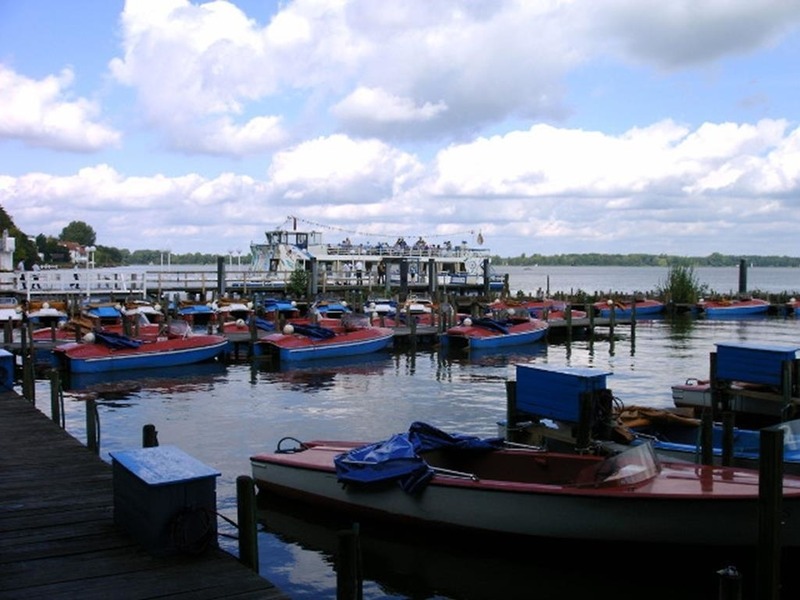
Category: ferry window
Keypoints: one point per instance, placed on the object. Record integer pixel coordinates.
(302, 240)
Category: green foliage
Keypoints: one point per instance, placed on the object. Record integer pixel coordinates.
(51, 251)
(681, 285)
(78, 232)
(25, 249)
(298, 284)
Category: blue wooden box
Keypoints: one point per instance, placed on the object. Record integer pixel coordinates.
(165, 499)
(6, 371)
(555, 392)
(753, 362)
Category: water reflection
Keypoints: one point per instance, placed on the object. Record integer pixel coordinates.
(318, 375)
(404, 564)
(123, 384)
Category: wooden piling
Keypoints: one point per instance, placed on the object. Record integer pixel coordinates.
(348, 568)
(770, 496)
(92, 426)
(727, 437)
(706, 437)
(248, 522)
(149, 436)
(511, 411)
(56, 412)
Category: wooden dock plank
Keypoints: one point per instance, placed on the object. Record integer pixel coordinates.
(59, 539)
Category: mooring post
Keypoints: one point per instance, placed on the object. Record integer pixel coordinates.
(568, 317)
(149, 436)
(92, 442)
(511, 411)
(770, 491)
(728, 418)
(55, 396)
(706, 437)
(348, 569)
(612, 318)
(248, 520)
(730, 584)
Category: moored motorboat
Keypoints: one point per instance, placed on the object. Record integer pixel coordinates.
(427, 478)
(101, 351)
(47, 313)
(756, 381)
(10, 310)
(565, 408)
(731, 308)
(197, 314)
(505, 328)
(552, 310)
(310, 341)
(417, 308)
(640, 307)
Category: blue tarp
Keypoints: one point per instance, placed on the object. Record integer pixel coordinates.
(398, 458)
(492, 324)
(316, 332)
(116, 340)
(264, 324)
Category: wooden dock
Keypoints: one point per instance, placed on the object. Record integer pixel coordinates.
(57, 533)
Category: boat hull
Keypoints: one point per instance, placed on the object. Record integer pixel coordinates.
(479, 338)
(715, 511)
(626, 310)
(96, 358)
(736, 308)
(297, 348)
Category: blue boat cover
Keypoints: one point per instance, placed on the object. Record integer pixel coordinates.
(116, 340)
(264, 324)
(492, 324)
(316, 332)
(104, 312)
(398, 458)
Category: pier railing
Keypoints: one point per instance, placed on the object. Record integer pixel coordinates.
(203, 281)
(128, 281)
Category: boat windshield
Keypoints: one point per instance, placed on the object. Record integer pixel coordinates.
(631, 467)
(791, 435)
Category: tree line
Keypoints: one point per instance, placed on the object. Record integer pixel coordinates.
(592, 259)
(50, 250)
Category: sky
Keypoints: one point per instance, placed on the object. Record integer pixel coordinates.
(539, 126)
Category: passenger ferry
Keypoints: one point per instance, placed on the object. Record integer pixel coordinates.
(288, 249)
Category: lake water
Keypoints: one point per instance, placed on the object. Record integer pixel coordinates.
(723, 280)
(223, 414)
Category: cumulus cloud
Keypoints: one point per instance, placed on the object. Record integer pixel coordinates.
(460, 114)
(42, 113)
(339, 169)
(683, 33)
(511, 186)
(191, 209)
(412, 70)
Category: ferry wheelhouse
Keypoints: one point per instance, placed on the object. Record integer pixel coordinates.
(418, 262)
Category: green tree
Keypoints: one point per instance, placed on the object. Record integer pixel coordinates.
(78, 232)
(298, 283)
(25, 248)
(51, 251)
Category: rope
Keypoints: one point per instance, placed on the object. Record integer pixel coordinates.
(192, 530)
(376, 235)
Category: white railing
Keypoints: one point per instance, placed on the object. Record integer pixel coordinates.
(154, 281)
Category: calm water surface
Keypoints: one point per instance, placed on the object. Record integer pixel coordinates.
(223, 414)
(722, 280)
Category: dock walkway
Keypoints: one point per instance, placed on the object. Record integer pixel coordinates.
(57, 533)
